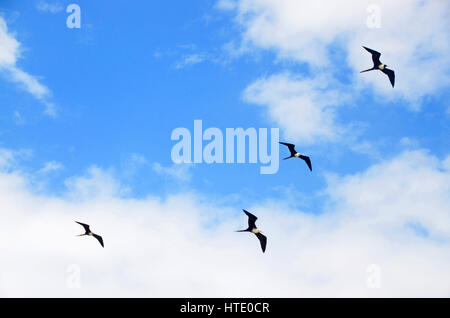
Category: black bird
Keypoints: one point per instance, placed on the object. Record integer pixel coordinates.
(377, 65)
(295, 154)
(90, 233)
(252, 228)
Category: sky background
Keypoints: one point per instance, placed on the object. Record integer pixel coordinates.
(85, 123)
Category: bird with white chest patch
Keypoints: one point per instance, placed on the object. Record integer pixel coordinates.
(90, 233)
(253, 229)
(295, 154)
(377, 65)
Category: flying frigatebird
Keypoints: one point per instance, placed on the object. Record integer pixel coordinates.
(377, 65)
(252, 228)
(295, 154)
(90, 233)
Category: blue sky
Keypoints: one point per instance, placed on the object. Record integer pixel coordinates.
(132, 73)
(118, 92)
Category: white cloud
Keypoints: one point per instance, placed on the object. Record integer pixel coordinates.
(49, 7)
(184, 246)
(178, 172)
(6, 158)
(28, 82)
(95, 183)
(175, 172)
(409, 142)
(303, 107)
(18, 118)
(10, 158)
(365, 147)
(305, 31)
(132, 163)
(189, 59)
(404, 189)
(225, 4)
(9, 55)
(9, 46)
(50, 166)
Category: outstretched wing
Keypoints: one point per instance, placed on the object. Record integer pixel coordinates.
(86, 227)
(375, 56)
(99, 238)
(251, 219)
(263, 240)
(390, 74)
(307, 160)
(290, 146)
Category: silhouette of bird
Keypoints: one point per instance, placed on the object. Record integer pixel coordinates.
(90, 233)
(252, 228)
(295, 154)
(377, 65)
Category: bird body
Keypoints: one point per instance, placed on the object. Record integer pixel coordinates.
(253, 229)
(377, 65)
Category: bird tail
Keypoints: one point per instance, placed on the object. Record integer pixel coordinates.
(370, 69)
(241, 231)
(288, 157)
(81, 234)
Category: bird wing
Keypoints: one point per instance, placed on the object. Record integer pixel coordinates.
(99, 238)
(251, 219)
(307, 160)
(263, 240)
(375, 56)
(390, 74)
(290, 146)
(86, 227)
